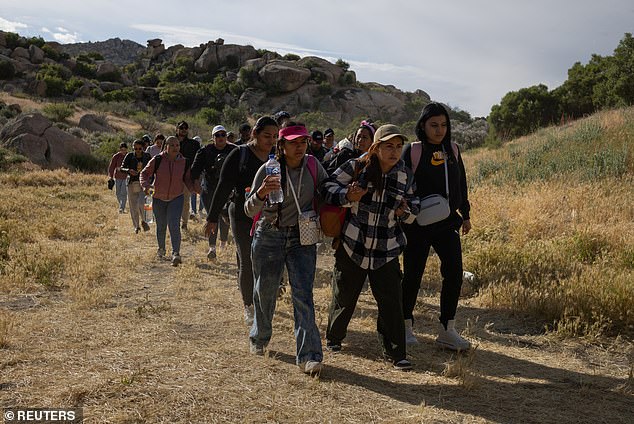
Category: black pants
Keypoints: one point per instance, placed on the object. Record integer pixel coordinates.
(446, 243)
(223, 226)
(241, 231)
(385, 284)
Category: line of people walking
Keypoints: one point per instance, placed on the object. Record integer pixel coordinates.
(374, 174)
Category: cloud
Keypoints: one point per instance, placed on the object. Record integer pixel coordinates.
(63, 36)
(11, 26)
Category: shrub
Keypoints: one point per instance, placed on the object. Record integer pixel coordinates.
(58, 112)
(181, 95)
(342, 64)
(54, 85)
(248, 76)
(9, 158)
(234, 116)
(210, 115)
(149, 79)
(86, 70)
(50, 52)
(88, 163)
(290, 56)
(73, 84)
(122, 95)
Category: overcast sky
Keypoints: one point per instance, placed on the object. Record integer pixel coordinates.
(465, 53)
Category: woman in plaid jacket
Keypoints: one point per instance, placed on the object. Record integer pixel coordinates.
(379, 190)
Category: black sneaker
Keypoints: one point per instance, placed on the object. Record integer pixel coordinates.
(402, 365)
(333, 346)
(137, 230)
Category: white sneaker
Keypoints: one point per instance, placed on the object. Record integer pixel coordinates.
(410, 339)
(450, 339)
(211, 253)
(176, 259)
(311, 367)
(248, 315)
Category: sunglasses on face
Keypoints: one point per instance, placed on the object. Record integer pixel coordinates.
(220, 134)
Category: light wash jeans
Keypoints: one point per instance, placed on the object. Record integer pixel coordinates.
(272, 248)
(136, 202)
(168, 214)
(122, 193)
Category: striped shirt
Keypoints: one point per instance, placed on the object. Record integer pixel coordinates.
(372, 234)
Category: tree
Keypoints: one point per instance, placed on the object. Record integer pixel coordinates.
(521, 112)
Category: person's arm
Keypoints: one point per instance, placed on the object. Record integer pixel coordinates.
(338, 190)
(146, 175)
(127, 162)
(112, 167)
(412, 201)
(228, 178)
(199, 164)
(465, 207)
(257, 198)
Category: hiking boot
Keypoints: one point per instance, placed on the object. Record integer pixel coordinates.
(248, 314)
(255, 349)
(211, 254)
(311, 367)
(450, 339)
(333, 346)
(176, 259)
(402, 365)
(137, 230)
(145, 226)
(410, 339)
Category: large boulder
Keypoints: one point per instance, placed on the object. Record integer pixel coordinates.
(284, 76)
(235, 56)
(322, 69)
(36, 54)
(21, 53)
(94, 123)
(105, 69)
(207, 61)
(35, 137)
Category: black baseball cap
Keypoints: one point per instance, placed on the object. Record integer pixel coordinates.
(317, 135)
(328, 132)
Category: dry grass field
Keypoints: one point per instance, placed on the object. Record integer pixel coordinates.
(89, 318)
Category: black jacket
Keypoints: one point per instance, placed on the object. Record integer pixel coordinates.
(189, 148)
(430, 178)
(130, 161)
(208, 163)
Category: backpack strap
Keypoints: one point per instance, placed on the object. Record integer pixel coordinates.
(455, 149)
(415, 152)
(311, 164)
(157, 162)
(242, 165)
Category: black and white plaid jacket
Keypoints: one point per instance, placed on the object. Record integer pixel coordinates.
(372, 235)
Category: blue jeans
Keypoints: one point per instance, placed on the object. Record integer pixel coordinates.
(121, 189)
(272, 248)
(194, 198)
(168, 214)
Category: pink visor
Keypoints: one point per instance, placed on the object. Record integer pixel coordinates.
(291, 133)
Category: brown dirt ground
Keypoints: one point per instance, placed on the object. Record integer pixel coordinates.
(170, 345)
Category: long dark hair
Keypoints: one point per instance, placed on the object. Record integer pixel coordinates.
(430, 110)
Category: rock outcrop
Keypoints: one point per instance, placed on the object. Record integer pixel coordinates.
(35, 137)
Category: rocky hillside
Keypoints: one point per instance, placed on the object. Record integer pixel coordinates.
(224, 82)
(120, 52)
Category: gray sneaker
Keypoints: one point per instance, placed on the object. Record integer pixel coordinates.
(311, 367)
(255, 349)
(176, 259)
(160, 254)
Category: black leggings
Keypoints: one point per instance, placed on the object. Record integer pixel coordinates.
(446, 243)
(241, 231)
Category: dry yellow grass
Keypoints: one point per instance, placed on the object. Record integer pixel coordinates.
(89, 318)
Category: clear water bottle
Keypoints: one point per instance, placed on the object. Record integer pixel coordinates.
(273, 168)
(147, 209)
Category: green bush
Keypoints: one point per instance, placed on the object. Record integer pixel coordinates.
(210, 115)
(181, 95)
(9, 158)
(324, 89)
(291, 57)
(342, 64)
(248, 75)
(54, 86)
(50, 52)
(86, 70)
(88, 163)
(234, 116)
(58, 112)
(123, 95)
(149, 79)
(72, 85)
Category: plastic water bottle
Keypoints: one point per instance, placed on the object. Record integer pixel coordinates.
(147, 209)
(273, 168)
